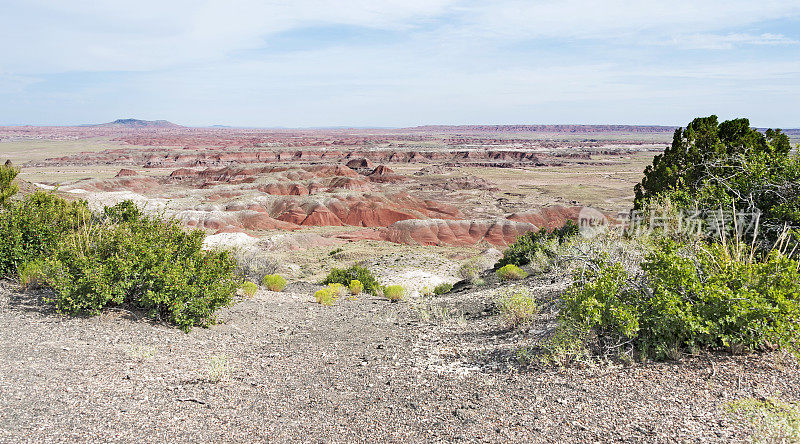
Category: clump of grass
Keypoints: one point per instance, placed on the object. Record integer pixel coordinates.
(511, 272)
(517, 306)
(141, 353)
(330, 294)
(394, 293)
(249, 288)
(32, 274)
(356, 287)
(442, 288)
(472, 268)
(274, 282)
(773, 419)
(220, 368)
(479, 282)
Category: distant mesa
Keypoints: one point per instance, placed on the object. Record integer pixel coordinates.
(136, 123)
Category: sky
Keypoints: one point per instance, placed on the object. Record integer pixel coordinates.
(397, 63)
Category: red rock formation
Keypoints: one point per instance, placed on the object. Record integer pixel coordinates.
(548, 217)
(498, 232)
(348, 183)
(254, 220)
(126, 172)
(360, 163)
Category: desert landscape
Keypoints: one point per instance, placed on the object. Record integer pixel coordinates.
(301, 193)
(399, 221)
(415, 206)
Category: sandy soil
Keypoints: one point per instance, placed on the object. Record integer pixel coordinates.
(365, 370)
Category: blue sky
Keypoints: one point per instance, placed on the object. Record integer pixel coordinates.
(399, 63)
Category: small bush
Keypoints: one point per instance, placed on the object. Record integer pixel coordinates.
(356, 287)
(442, 288)
(274, 282)
(526, 247)
(220, 368)
(336, 251)
(511, 272)
(394, 292)
(32, 274)
(472, 268)
(254, 264)
(330, 294)
(358, 273)
(145, 262)
(517, 306)
(249, 288)
(7, 186)
(479, 282)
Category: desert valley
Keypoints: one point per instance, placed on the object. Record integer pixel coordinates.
(430, 210)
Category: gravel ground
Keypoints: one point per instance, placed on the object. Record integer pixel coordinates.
(364, 370)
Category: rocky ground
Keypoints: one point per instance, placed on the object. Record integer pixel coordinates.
(441, 369)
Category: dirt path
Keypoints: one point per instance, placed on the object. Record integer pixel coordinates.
(363, 370)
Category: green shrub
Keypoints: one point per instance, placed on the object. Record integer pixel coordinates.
(478, 282)
(335, 251)
(274, 282)
(394, 292)
(33, 227)
(517, 306)
(356, 287)
(145, 262)
(330, 294)
(706, 296)
(358, 273)
(32, 274)
(531, 244)
(511, 272)
(7, 186)
(249, 288)
(442, 288)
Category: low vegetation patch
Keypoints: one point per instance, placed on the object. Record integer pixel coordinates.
(511, 272)
(274, 282)
(517, 306)
(358, 273)
(531, 246)
(356, 287)
(249, 289)
(772, 419)
(330, 294)
(32, 274)
(394, 293)
(220, 369)
(442, 288)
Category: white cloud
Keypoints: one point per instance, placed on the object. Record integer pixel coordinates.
(728, 41)
(614, 18)
(147, 35)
